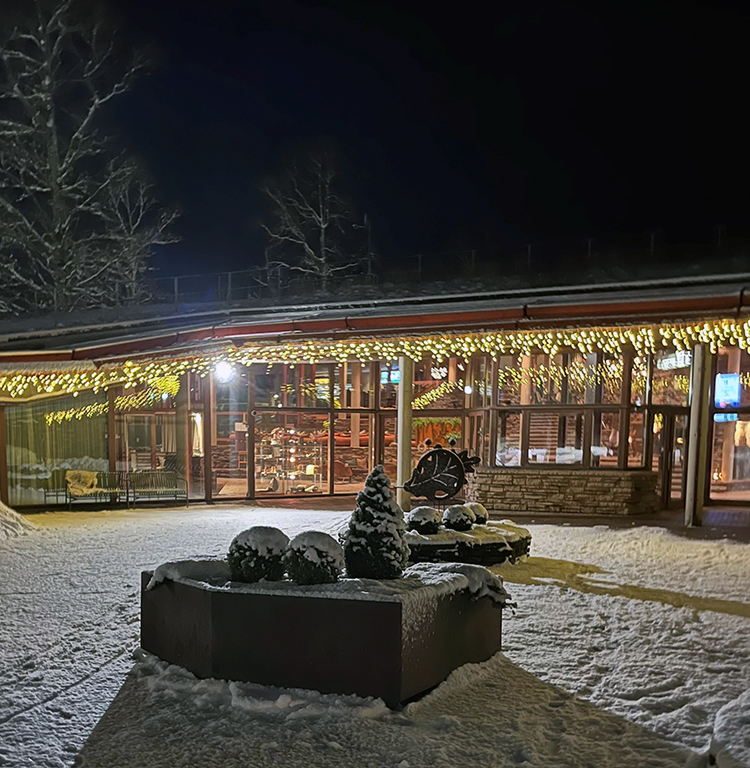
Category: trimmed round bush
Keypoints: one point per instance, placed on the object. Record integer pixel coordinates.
(257, 554)
(458, 517)
(313, 557)
(424, 520)
(480, 513)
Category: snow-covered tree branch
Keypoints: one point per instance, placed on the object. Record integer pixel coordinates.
(77, 219)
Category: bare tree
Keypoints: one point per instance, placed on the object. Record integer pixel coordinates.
(135, 222)
(77, 220)
(310, 225)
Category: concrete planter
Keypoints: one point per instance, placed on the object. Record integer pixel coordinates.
(369, 647)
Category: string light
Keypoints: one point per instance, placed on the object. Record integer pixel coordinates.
(609, 340)
(431, 396)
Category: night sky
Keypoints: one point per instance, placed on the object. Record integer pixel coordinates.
(461, 125)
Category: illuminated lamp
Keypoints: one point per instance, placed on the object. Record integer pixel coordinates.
(224, 371)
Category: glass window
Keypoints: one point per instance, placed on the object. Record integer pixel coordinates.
(389, 459)
(353, 450)
(229, 457)
(437, 429)
(732, 360)
(508, 446)
(353, 385)
(437, 386)
(292, 386)
(610, 369)
(569, 378)
(47, 438)
(636, 436)
(390, 376)
(544, 378)
(478, 437)
(605, 438)
(481, 382)
(730, 458)
(509, 373)
(291, 453)
(670, 384)
(555, 438)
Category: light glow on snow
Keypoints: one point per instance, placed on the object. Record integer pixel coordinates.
(624, 646)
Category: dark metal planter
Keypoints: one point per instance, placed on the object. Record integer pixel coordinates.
(462, 552)
(332, 645)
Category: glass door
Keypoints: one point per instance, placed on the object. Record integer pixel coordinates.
(670, 432)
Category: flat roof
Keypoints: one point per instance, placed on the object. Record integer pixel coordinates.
(132, 330)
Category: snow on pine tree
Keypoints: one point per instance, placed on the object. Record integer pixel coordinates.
(375, 547)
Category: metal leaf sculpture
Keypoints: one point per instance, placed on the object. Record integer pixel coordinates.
(440, 473)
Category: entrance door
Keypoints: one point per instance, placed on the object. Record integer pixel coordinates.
(668, 457)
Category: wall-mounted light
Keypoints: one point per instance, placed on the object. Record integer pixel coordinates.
(467, 389)
(224, 371)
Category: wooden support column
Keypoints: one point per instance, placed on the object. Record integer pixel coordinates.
(331, 427)
(3, 458)
(356, 369)
(525, 414)
(208, 435)
(695, 486)
(250, 432)
(406, 368)
(111, 429)
(624, 431)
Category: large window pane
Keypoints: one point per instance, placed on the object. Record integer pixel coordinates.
(555, 438)
(605, 438)
(636, 440)
(229, 457)
(733, 362)
(47, 438)
(388, 436)
(509, 373)
(353, 450)
(480, 384)
(436, 429)
(438, 386)
(730, 457)
(354, 385)
(671, 378)
(291, 453)
(508, 448)
(292, 386)
(390, 376)
(197, 402)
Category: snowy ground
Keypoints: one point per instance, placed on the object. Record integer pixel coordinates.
(625, 645)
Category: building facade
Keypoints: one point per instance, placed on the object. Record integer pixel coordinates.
(614, 399)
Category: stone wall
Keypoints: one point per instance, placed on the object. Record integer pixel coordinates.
(561, 491)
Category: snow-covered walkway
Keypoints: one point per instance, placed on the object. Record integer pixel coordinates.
(625, 645)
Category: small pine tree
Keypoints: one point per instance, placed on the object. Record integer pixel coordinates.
(375, 546)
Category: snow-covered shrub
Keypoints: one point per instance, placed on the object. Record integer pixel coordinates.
(425, 520)
(480, 513)
(458, 517)
(313, 557)
(375, 546)
(257, 554)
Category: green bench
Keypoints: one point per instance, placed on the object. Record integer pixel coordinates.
(154, 485)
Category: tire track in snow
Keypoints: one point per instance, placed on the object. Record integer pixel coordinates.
(55, 694)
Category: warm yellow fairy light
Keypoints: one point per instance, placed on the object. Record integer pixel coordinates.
(166, 373)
